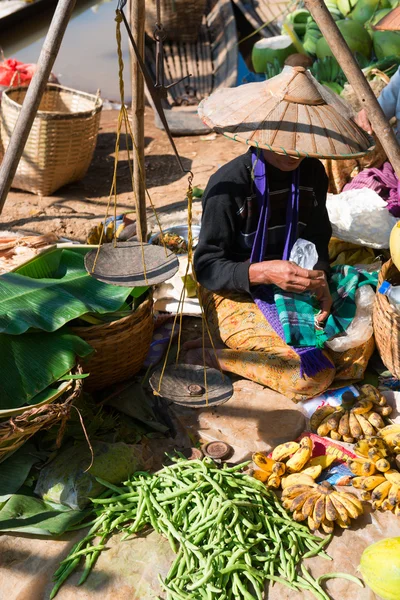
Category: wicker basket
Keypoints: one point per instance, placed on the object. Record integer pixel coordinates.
(387, 322)
(17, 430)
(181, 19)
(120, 347)
(62, 140)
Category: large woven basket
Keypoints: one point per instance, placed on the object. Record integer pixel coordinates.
(386, 322)
(181, 19)
(120, 347)
(62, 140)
(17, 430)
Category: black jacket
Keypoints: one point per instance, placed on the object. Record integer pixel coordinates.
(230, 217)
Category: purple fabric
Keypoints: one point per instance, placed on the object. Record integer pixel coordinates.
(383, 181)
(312, 360)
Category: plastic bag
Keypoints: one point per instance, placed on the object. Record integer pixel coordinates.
(361, 217)
(360, 329)
(304, 254)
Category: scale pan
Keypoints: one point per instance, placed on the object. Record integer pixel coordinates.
(184, 385)
(123, 264)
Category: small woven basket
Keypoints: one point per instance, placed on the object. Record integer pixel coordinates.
(62, 140)
(120, 347)
(386, 322)
(15, 431)
(181, 19)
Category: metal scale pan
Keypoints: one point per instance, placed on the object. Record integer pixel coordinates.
(122, 264)
(185, 385)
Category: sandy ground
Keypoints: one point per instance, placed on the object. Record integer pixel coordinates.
(75, 208)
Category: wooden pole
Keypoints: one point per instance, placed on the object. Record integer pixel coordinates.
(357, 80)
(33, 96)
(137, 18)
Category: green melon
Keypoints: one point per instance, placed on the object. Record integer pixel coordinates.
(265, 50)
(364, 10)
(357, 38)
(386, 43)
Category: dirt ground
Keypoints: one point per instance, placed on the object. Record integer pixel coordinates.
(74, 209)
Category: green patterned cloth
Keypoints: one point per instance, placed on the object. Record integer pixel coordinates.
(297, 311)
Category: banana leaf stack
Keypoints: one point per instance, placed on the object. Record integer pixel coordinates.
(39, 353)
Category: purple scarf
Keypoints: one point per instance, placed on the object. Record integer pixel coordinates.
(383, 181)
(312, 360)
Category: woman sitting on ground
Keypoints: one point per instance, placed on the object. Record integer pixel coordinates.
(254, 208)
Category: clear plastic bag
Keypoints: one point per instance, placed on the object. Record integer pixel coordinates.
(360, 329)
(304, 254)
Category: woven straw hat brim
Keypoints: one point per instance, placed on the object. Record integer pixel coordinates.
(289, 114)
(391, 22)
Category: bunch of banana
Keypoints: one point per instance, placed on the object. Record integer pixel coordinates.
(105, 234)
(295, 455)
(383, 490)
(391, 437)
(321, 505)
(362, 419)
(269, 470)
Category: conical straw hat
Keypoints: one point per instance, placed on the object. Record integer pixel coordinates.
(391, 22)
(288, 114)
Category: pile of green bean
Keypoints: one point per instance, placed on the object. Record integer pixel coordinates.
(230, 533)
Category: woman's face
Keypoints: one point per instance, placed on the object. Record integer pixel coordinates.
(282, 161)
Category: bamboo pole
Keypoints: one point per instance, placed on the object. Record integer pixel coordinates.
(137, 18)
(33, 96)
(357, 80)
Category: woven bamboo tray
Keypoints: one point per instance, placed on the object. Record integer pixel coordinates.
(120, 347)
(181, 19)
(17, 430)
(62, 140)
(386, 322)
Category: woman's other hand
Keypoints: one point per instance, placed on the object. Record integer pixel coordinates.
(325, 301)
(363, 121)
(287, 276)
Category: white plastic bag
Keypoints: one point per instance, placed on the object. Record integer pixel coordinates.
(361, 217)
(360, 329)
(304, 254)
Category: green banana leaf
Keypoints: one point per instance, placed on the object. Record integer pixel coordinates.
(15, 469)
(52, 301)
(30, 363)
(26, 514)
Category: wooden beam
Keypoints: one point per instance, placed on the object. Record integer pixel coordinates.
(357, 80)
(33, 96)
(137, 20)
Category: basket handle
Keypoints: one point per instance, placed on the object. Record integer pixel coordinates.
(98, 96)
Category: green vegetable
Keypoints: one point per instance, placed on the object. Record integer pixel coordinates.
(65, 293)
(267, 49)
(364, 10)
(230, 533)
(352, 578)
(15, 469)
(386, 43)
(346, 6)
(356, 37)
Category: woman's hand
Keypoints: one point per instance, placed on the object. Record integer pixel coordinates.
(324, 298)
(363, 121)
(287, 276)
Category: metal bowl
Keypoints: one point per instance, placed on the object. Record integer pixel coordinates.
(182, 231)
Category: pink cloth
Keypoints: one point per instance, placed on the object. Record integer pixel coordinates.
(384, 182)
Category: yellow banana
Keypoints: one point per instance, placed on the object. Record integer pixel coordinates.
(397, 510)
(297, 479)
(393, 476)
(357, 482)
(298, 516)
(355, 429)
(390, 429)
(319, 415)
(324, 428)
(327, 526)
(263, 462)
(382, 465)
(297, 503)
(335, 435)
(371, 482)
(311, 523)
(343, 427)
(340, 509)
(365, 425)
(323, 461)
(294, 490)
(284, 451)
(279, 469)
(381, 491)
(365, 496)
(361, 467)
(319, 511)
(308, 506)
(384, 411)
(261, 475)
(375, 454)
(330, 510)
(313, 472)
(274, 481)
(386, 505)
(344, 524)
(351, 509)
(371, 393)
(376, 420)
(352, 498)
(299, 459)
(348, 439)
(362, 448)
(394, 494)
(362, 406)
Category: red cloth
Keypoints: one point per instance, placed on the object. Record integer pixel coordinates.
(13, 72)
